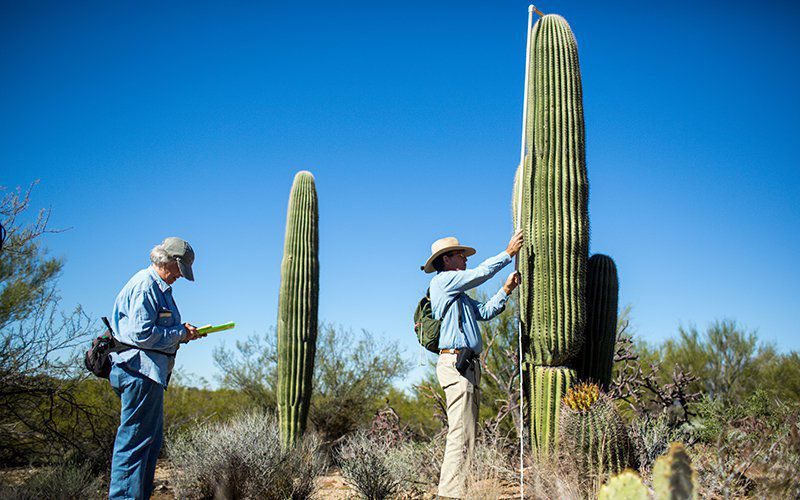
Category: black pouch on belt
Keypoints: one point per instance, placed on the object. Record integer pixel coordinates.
(464, 360)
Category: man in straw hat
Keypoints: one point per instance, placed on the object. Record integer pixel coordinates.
(459, 334)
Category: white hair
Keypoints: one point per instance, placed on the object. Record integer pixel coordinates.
(159, 256)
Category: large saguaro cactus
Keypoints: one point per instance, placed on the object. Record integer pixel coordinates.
(555, 216)
(297, 310)
(555, 222)
(597, 357)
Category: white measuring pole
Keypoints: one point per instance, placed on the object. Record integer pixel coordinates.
(519, 226)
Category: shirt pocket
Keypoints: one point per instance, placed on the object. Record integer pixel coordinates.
(165, 318)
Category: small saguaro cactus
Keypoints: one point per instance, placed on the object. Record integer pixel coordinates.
(555, 198)
(674, 478)
(596, 360)
(592, 433)
(297, 310)
(547, 386)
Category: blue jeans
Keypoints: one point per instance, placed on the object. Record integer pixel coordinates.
(140, 434)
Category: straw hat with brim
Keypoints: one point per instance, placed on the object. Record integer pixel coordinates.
(441, 247)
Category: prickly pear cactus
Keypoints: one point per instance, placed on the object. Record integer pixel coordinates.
(597, 356)
(592, 433)
(674, 478)
(554, 214)
(547, 386)
(297, 311)
(625, 486)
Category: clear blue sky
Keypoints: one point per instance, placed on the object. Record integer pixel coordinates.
(191, 119)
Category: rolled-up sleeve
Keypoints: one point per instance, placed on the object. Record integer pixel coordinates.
(485, 311)
(143, 328)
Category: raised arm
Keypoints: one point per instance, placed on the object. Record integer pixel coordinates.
(461, 281)
(485, 311)
(494, 306)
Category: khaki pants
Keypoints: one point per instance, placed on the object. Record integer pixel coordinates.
(463, 400)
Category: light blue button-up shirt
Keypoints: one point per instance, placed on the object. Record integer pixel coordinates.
(145, 315)
(448, 284)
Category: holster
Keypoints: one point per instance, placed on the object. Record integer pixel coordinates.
(464, 360)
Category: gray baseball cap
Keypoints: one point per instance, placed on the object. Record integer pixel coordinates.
(182, 252)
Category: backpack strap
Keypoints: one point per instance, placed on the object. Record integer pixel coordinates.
(122, 346)
(447, 307)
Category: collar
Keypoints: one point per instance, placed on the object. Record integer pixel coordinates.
(162, 285)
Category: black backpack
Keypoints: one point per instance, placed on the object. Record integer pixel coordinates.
(426, 326)
(98, 357)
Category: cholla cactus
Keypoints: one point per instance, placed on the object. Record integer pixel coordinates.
(592, 433)
(297, 312)
(674, 478)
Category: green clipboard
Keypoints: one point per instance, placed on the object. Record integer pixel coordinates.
(205, 330)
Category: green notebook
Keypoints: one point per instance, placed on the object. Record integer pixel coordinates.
(205, 330)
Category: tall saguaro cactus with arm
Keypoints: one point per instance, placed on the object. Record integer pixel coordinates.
(297, 310)
(554, 216)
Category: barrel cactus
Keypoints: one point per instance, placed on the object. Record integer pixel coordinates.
(674, 478)
(592, 433)
(597, 357)
(554, 214)
(297, 310)
(547, 385)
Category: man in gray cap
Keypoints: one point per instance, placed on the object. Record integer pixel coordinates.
(146, 316)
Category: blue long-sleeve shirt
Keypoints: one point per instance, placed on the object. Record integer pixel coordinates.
(448, 284)
(145, 315)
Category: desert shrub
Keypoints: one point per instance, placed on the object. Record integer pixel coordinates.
(41, 413)
(494, 469)
(652, 435)
(365, 466)
(555, 479)
(416, 465)
(243, 458)
(63, 481)
(751, 448)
